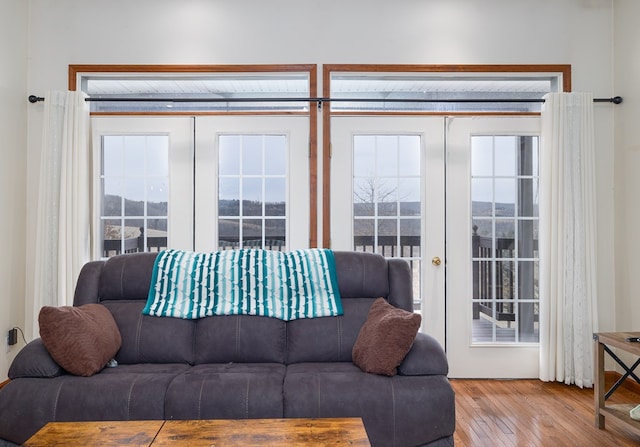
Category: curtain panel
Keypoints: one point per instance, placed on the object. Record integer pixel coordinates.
(62, 243)
(567, 239)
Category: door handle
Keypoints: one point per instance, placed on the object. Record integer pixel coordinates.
(436, 261)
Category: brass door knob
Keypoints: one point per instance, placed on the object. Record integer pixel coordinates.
(436, 261)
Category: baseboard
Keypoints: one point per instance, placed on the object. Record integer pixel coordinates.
(4, 383)
(613, 376)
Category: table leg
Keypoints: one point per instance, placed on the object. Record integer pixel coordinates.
(598, 386)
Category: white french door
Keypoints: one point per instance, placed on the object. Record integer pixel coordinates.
(448, 178)
(492, 255)
(387, 196)
(200, 183)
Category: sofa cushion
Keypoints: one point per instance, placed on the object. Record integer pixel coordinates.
(80, 339)
(385, 338)
(227, 391)
(151, 339)
(398, 410)
(34, 361)
(240, 338)
(327, 339)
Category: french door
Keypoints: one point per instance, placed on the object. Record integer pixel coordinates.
(387, 196)
(200, 183)
(456, 197)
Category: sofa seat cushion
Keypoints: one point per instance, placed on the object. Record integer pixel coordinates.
(227, 391)
(416, 410)
(126, 392)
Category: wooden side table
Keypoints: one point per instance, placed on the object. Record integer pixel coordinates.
(602, 343)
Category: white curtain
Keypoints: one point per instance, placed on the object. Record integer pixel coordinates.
(567, 239)
(62, 242)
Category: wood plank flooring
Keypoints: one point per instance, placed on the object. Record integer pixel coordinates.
(531, 413)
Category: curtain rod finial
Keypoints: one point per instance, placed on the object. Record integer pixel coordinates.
(33, 99)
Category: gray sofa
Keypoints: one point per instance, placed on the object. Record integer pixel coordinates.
(238, 366)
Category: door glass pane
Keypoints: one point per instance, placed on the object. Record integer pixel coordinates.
(387, 199)
(135, 200)
(504, 192)
(252, 179)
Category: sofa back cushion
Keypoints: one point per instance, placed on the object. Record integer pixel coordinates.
(122, 283)
(362, 278)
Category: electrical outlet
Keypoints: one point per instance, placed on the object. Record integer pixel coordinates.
(13, 336)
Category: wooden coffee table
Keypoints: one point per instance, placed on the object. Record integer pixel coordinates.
(322, 432)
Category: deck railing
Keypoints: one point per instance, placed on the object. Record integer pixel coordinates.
(494, 282)
(486, 257)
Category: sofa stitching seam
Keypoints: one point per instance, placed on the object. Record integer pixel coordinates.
(393, 410)
(129, 398)
(246, 397)
(200, 398)
(55, 402)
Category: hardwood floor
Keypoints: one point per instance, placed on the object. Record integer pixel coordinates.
(531, 413)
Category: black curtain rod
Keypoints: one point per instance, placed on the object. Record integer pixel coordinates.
(34, 99)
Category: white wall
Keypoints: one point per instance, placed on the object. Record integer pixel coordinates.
(576, 32)
(13, 129)
(627, 165)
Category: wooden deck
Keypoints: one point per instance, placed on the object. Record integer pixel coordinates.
(505, 333)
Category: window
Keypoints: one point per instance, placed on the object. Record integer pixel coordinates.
(252, 197)
(135, 193)
(504, 192)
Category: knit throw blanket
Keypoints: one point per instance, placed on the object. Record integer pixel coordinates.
(284, 285)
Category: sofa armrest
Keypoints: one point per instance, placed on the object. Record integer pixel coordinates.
(34, 361)
(426, 357)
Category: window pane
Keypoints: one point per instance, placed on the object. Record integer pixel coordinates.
(229, 156)
(134, 197)
(252, 155)
(505, 197)
(387, 155)
(134, 155)
(363, 197)
(112, 197)
(482, 156)
(387, 197)
(157, 155)
(252, 233)
(364, 160)
(275, 201)
(409, 196)
(157, 197)
(408, 155)
(228, 233)
(112, 156)
(275, 162)
(252, 197)
(505, 156)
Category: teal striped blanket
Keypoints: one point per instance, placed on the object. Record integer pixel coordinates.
(284, 285)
